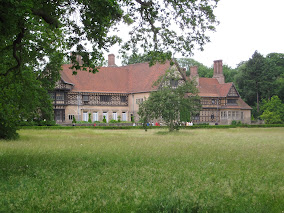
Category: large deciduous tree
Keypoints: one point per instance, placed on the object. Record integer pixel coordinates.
(171, 103)
(34, 35)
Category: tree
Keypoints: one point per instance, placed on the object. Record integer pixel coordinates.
(36, 34)
(260, 78)
(203, 71)
(169, 102)
(273, 110)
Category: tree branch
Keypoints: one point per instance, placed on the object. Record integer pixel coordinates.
(17, 41)
(145, 4)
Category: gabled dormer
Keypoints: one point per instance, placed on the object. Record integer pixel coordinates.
(233, 93)
(63, 85)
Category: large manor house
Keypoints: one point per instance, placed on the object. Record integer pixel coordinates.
(116, 92)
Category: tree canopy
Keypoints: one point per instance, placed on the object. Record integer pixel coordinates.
(175, 101)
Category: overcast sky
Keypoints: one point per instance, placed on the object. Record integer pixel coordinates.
(245, 26)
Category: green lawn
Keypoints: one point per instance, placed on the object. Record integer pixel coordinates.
(87, 170)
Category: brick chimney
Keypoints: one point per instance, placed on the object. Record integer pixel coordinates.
(218, 71)
(111, 60)
(194, 74)
(78, 59)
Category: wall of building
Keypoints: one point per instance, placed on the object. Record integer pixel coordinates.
(78, 111)
(133, 103)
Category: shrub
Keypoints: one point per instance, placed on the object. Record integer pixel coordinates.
(74, 120)
(104, 119)
(118, 118)
(89, 120)
(113, 121)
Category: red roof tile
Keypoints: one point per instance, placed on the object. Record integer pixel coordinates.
(126, 79)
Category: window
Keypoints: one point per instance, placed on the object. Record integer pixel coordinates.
(196, 117)
(213, 101)
(124, 117)
(60, 96)
(212, 116)
(105, 98)
(232, 101)
(71, 117)
(139, 100)
(52, 96)
(173, 83)
(237, 115)
(242, 115)
(114, 116)
(95, 116)
(123, 99)
(233, 115)
(85, 116)
(229, 114)
(85, 98)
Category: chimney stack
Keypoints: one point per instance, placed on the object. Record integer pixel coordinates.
(218, 71)
(78, 58)
(111, 60)
(194, 74)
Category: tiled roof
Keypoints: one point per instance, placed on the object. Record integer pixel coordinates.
(210, 87)
(136, 78)
(126, 79)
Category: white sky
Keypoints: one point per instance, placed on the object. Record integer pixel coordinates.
(245, 26)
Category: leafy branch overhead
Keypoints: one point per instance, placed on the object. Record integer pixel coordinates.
(31, 30)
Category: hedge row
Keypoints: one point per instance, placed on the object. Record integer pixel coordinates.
(156, 127)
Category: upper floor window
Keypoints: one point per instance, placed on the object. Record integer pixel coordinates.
(105, 98)
(139, 100)
(173, 83)
(232, 101)
(60, 96)
(52, 96)
(85, 98)
(123, 99)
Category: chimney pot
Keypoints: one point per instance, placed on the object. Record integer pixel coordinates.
(218, 71)
(194, 74)
(111, 60)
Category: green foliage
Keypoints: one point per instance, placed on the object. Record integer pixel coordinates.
(74, 120)
(236, 123)
(113, 121)
(260, 78)
(203, 71)
(168, 102)
(104, 119)
(118, 119)
(273, 111)
(89, 119)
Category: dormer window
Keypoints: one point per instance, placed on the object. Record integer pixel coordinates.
(232, 101)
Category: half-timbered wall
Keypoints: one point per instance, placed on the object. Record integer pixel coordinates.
(97, 99)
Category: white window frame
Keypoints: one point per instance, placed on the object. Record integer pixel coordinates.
(114, 116)
(124, 116)
(95, 116)
(85, 116)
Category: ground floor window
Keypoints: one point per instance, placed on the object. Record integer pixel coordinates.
(85, 116)
(59, 115)
(124, 117)
(71, 117)
(95, 116)
(114, 116)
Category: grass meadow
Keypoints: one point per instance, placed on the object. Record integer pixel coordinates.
(89, 170)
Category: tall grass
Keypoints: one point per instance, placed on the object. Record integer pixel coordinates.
(87, 170)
